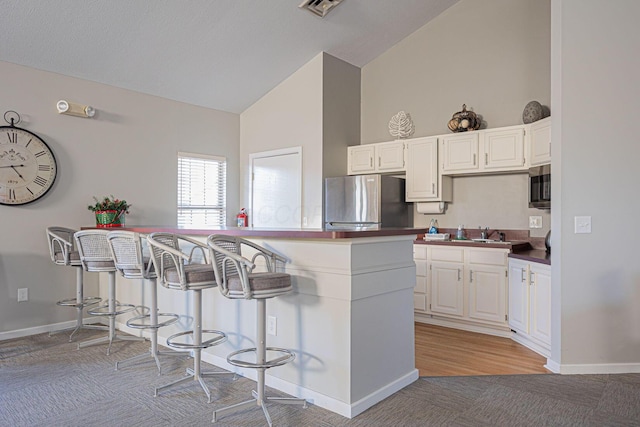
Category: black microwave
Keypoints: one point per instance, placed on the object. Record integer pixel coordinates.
(540, 187)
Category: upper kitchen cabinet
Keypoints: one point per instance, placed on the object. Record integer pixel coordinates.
(460, 152)
(491, 150)
(424, 183)
(540, 142)
(371, 158)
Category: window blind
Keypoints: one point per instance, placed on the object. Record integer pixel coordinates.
(202, 185)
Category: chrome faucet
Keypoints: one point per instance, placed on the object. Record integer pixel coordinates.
(484, 233)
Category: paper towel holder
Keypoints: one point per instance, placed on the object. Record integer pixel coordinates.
(427, 208)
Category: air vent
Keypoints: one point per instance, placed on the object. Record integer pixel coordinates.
(319, 7)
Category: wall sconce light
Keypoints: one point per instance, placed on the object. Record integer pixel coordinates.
(66, 107)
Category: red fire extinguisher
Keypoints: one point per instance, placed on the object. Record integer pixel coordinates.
(242, 218)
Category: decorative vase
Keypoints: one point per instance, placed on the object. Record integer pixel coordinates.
(110, 218)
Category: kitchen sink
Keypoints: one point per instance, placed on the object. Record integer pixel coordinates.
(488, 241)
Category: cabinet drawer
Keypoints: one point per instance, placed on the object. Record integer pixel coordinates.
(487, 256)
(447, 254)
(420, 302)
(420, 252)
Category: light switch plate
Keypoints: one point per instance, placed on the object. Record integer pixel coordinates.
(535, 222)
(582, 224)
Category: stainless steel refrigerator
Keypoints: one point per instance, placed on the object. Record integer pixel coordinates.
(364, 202)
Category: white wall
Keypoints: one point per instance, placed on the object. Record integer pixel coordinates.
(128, 149)
(493, 56)
(596, 277)
(317, 108)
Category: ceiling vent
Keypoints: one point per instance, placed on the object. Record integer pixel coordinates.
(319, 7)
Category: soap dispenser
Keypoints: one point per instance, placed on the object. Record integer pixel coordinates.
(433, 227)
(460, 233)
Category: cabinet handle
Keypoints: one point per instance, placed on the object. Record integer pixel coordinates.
(458, 275)
(474, 159)
(470, 276)
(379, 161)
(486, 159)
(532, 280)
(370, 162)
(522, 278)
(433, 188)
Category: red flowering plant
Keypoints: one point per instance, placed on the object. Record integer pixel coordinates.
(109, 204)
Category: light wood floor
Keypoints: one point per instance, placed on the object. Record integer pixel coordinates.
(451, 352)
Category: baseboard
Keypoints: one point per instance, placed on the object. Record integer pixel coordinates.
(599, 368)
(19, 333)
(315, 398)
(451, 323)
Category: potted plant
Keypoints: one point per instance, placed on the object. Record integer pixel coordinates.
(109, 211)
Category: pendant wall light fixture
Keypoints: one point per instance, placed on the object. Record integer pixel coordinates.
(319, 7)
(72, 109)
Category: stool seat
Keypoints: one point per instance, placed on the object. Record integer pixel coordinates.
(183, 270)
(237, 280)
(62, 249)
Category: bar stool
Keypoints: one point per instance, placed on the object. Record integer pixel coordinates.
(180, 269)
(95, 256)
(63, 251)
(236, 279)
(127, 251)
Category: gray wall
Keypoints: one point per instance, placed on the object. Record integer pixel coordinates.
(493, 56)
(596, 277)
(128, 149)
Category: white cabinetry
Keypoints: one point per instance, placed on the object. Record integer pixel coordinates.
(424, 183)
(491, 150)
(420, 291)
(381, 157)
(466, 288)
(530, 304)
(540, 142)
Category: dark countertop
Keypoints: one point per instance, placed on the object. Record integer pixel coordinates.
(298, 233)
(533, 255)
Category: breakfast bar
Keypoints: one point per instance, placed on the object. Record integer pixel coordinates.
(349, 320)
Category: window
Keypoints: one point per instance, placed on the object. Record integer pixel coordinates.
(202, 195)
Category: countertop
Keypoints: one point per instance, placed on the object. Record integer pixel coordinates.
(297, 233)
(520, 249)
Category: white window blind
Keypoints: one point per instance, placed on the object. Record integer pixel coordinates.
(202, 185)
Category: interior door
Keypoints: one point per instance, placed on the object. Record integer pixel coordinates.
(276, 189)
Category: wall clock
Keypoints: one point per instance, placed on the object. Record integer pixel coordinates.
(28, 167)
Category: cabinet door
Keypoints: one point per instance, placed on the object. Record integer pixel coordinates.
(540, 302)
(460, 152)
(360, 159)
(422, 169)
(420, 290)
(503, 149)
(488, 293)
(390, 156)
(518, 295)
(540, 142)
(447, 289)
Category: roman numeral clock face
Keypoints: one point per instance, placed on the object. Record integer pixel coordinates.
(27, 166)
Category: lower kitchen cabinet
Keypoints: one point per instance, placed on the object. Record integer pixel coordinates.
(530, 304)
(464, 287)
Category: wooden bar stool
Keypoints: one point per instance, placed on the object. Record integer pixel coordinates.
(96, 257)
(127, 251)
(63, 251)
(175, 259)
(236, 279)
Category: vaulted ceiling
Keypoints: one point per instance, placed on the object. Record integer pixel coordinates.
(221, 54)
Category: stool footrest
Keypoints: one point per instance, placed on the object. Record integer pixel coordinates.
(103, 310)
(138, 322)
(286, 357)
(73, 302)
(219, 338)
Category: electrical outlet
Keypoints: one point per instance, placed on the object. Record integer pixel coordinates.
(582, 225)
(23, 294)
(535, 222)
(272, 325)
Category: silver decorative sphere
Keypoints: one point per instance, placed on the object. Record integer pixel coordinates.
(532, 112)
